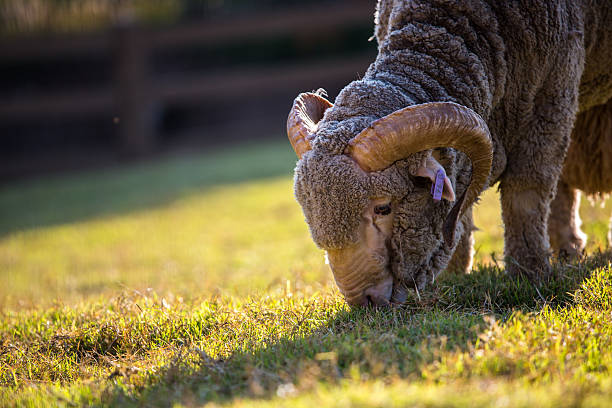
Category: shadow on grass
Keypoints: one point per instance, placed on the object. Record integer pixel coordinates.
(63, 199)
(359, 344)
(362, 344)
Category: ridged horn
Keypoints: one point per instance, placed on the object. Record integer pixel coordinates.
(423, 127)
(306, 112)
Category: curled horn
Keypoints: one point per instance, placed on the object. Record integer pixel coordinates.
(308, 109)
(423, 127)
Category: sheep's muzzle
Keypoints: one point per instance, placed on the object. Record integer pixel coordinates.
(363, 277)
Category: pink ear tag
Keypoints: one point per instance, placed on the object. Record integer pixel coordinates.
(438, 186)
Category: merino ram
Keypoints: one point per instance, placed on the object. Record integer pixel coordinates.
(462, 95)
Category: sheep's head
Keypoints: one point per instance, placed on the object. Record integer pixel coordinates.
(350, 200)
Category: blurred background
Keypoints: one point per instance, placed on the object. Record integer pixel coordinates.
(88, 83)
(143, 143)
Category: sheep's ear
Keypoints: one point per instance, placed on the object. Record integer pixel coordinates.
(429, 169)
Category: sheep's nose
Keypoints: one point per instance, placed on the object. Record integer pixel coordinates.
(379, 294)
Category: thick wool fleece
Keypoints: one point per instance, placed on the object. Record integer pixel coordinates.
(333, 220)
(519, 65)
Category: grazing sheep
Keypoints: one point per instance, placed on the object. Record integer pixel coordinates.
(461, 95)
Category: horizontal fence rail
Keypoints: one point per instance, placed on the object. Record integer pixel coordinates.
(187, 88)
(300, 21)
(136, 90)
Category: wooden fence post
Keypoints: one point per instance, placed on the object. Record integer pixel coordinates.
(135, 107)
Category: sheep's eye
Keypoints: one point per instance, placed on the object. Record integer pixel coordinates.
(382, 209)
(422, 182)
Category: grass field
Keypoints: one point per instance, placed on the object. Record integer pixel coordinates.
(193, 280)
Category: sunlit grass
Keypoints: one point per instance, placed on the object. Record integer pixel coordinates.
(189, 235)
(236, 240)
(191, 281)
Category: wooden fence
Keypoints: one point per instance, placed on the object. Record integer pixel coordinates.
(136, 90)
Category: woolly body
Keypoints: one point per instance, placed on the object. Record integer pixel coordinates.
(517, 64)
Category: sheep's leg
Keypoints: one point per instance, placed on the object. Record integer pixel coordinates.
(530, 180)
(462, 259)
(525, 212)
(566, 237)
